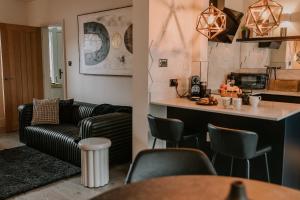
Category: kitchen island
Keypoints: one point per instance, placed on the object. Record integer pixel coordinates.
(277, 124)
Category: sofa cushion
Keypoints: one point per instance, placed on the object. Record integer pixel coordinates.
(107, 108)
(66, 111)
(58, 133)
(56, 140)
(75, 117)
(45, 111)
(123, 109)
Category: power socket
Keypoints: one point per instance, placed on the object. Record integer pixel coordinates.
(173, 82)
(163, 62)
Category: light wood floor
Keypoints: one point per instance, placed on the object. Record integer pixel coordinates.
(68, 189)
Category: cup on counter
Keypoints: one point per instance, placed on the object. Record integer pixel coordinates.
(237, 103)
(254, 101)
(226, 101)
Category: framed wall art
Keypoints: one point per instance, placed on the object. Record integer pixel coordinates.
(105, 42)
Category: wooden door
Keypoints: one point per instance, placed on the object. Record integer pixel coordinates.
(22, 69)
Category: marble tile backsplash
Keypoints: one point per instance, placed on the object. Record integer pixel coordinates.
(223, 59)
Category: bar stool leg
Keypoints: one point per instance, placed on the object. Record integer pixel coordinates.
(214, 158)
(267, 167)
(248, 169)
(231, 166)
(154, 142)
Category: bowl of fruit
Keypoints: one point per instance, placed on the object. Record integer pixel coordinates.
(230, 91)
(209, 101)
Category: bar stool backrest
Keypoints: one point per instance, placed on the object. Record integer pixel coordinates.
(169, 162)
(231, 142)
(166, 129)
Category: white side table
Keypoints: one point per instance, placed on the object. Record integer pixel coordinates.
(94, 161)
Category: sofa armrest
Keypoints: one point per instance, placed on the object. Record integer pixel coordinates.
(115, 126)
(25, 117)
(106, 125)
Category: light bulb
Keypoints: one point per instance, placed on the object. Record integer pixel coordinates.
(211, 19)
(265, 15)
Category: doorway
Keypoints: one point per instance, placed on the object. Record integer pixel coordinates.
(54, 61)
(21, 77)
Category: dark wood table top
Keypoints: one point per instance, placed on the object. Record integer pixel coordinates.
(197, 188)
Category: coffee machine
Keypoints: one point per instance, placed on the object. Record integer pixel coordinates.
(198, 89)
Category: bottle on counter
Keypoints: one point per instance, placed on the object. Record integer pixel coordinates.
(237, 191)
(203, 89)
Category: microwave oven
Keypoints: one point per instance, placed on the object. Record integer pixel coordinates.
(249, 80)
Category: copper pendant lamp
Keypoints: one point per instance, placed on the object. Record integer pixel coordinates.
(263, 16)
(211, 22)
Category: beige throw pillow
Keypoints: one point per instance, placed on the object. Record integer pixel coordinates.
(45, 111)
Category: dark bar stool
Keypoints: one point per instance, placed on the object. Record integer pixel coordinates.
(237, 144)
(170, 130)
(169, 162)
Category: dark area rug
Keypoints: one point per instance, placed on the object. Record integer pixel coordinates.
(23, 169)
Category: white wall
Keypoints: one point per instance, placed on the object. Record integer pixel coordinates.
(13, 12)
(162, 30)
(140, 74)
(173, 36)
(94, 89)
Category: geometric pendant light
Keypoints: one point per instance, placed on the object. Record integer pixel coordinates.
(211, 22)
(263, 16)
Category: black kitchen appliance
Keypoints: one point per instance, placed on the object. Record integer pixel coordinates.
(195, 87)
(249, 80)
(198, 89)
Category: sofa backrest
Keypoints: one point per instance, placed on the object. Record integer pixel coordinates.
(107, 108)
(85, 109)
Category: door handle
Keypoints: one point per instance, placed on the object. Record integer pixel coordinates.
(60, 72)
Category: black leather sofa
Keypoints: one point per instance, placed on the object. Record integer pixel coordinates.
(61, 141)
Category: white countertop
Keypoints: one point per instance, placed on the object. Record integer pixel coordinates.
(268, 110)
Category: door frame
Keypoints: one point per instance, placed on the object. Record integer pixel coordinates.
(62, 24)
(2, 121)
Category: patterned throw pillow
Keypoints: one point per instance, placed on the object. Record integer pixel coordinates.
(45, 111)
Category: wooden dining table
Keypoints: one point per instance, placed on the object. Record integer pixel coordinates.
(197, 188)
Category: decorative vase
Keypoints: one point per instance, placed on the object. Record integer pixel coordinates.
(245, 34)
(237, 191)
